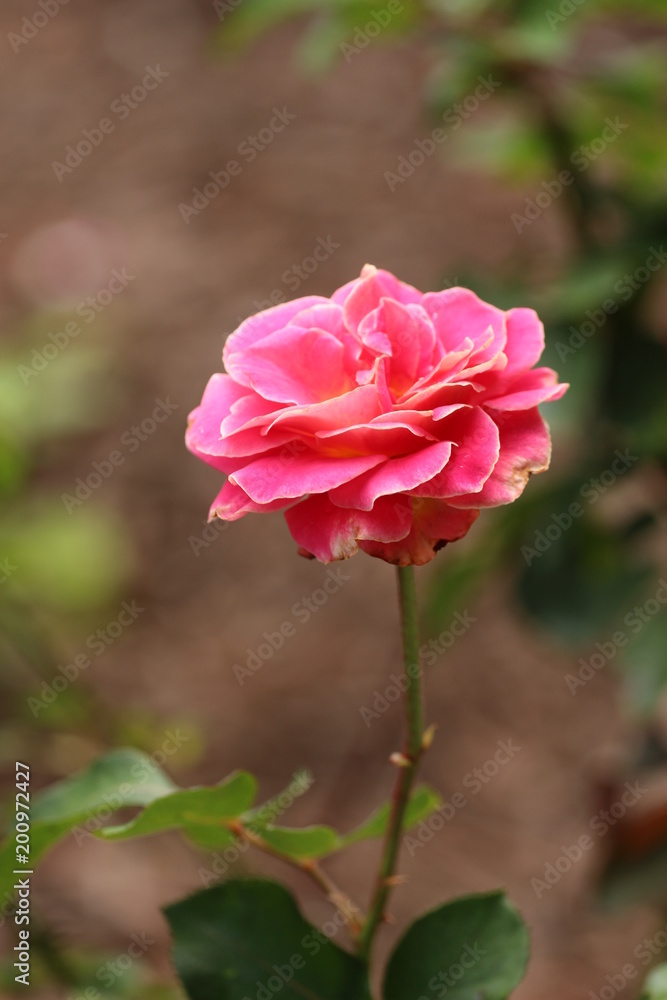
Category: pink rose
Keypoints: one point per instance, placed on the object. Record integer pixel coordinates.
(381, 418)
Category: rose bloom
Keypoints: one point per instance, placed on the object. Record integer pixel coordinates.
(381, 418)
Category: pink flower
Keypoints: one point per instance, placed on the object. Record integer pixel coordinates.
(381, 418)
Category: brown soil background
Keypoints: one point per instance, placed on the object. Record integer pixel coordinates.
(323, 176)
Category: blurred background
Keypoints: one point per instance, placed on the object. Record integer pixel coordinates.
(172, 167)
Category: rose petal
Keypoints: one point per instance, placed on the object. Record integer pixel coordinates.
(203, 436)
(367, 292)
(529, 389)
(474, 456)
(409, 336)
(458, 313)
(525, 448)
(389, 438)
(245, 411)
(294, 474)
(329, 533)
(434, 523)
(358, 406)
(256, 327)
(525, 340)
(233, 503)
(396, 476)
(294, 365)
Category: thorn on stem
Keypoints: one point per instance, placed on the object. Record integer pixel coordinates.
(394, 880)
(428, 737)
(400, 760)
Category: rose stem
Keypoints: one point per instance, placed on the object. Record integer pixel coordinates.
(407, 762)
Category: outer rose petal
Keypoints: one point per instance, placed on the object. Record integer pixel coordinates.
(328, 533)
(434, 523)
(203, 434)
(255, 328)
(316, 369)
(293, 475)
(525, 448)
(206, 436)
(525, 340)
(232, 503)
(527, 390)
(246, 411)
(473, 458)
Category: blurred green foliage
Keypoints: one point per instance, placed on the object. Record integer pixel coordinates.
(61, 574)
(655, 987)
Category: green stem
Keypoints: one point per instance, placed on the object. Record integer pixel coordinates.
(407, 762)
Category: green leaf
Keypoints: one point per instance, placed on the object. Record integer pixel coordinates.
(247, 938)
(122, 778)
(307, 842)
(270, 810)
(475, 946)
(423, 802)
(317, 841)
(197, 811)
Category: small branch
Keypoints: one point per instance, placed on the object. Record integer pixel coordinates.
(349, 910)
